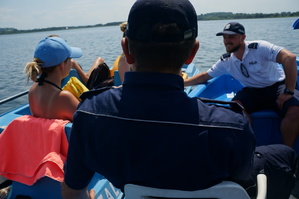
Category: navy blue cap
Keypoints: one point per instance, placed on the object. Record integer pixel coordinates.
(232, 28)
(145, 15)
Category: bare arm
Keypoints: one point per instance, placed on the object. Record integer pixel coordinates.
(96, 63)
(198, 79)
(80, 71)
(123, 67)
(288, 61)
(85, 76)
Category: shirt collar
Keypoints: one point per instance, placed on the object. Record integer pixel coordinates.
(245, 51)
(154, 79)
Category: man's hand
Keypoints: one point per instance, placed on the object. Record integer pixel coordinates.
(92, 194)
(68, 193)
(282, 98)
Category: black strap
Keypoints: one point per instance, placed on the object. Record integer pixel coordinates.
(52, 84)
(41, 80)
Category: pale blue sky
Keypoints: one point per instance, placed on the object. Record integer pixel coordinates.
(30, 14)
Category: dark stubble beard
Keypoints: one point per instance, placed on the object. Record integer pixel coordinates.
(234, 49)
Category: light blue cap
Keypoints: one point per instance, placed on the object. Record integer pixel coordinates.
(54, 50)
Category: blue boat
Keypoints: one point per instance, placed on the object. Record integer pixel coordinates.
(47, 188)
(266, 126)
(266, 123)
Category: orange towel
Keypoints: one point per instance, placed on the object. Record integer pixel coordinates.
(31, 148)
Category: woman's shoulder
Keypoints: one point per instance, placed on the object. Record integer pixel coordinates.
(63, 105)
(59, 105)
(66, 98)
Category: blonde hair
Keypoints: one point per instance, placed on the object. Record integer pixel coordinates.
(33, 69)
(123, 26)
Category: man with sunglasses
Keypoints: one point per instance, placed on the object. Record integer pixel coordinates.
(267, 85)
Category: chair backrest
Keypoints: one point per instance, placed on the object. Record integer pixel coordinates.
(223, 190)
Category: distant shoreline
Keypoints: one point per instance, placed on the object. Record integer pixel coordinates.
(202, 17)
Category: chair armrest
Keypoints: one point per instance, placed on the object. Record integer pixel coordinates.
(261, 186)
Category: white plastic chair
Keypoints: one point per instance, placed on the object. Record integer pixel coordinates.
(223, 190)
(261, 186)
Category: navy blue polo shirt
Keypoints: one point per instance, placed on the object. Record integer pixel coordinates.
(149, 132)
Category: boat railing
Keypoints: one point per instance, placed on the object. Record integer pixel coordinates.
(13, 97)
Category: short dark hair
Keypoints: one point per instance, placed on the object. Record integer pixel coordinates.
(161, 55)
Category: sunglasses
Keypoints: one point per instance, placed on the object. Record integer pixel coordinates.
(244, 70)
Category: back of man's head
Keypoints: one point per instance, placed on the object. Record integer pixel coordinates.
(146, 15)
(158, 28)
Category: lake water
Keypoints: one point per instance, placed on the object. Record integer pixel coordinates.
(16, 50)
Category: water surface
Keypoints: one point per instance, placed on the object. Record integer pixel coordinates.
(16, 50)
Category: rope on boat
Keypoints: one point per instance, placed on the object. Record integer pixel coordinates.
(14, 97)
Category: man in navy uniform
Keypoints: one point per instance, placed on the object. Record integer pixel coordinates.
(149, 132)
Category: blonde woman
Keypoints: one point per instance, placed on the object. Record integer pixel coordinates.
(52, 62)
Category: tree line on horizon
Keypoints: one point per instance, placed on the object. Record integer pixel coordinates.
(230, 15)
(201, 17)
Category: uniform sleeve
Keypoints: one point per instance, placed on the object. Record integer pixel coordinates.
(77, 174)
(243, 156)
(217, 69)
(268, 50)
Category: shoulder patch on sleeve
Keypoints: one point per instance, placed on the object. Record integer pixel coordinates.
(253, 45)
(224, 56)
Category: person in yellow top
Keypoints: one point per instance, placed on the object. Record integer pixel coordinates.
(121, 63)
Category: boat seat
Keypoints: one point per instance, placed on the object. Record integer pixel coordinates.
(117, 81)
(190, 69)
(45, 188)
(223, 190)
(266, 127)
